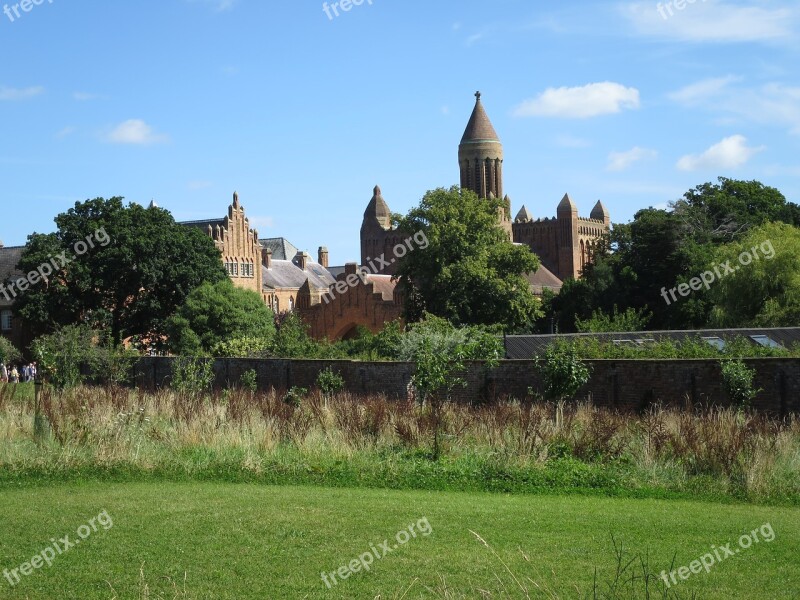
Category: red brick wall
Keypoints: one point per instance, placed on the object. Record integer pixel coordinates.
(622, 384)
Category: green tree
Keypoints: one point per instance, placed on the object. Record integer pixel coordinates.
(439, 352)
(138, 268)
(215, 313)
(469, 273)
(766, 292)
(562, 371)
(630, 320)
(8, 351)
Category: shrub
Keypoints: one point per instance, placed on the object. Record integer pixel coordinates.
(192, 375)
(8, 352)
(737, 379)
(329, 382)
(61, 354)
(249, 380)
(294, 396)
(562, 371)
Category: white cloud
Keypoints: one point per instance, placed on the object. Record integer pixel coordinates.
(199, 185)
(730, 153)
(711, 21)
(619, 161)
(67, 131)
(261, 222)
(84, 96)
(7, 93)
(702, 90)
(135, 131)
(570, 141)
(582, 102)
(218, 5)
(770, 104)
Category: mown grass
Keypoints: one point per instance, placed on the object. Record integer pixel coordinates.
(237, 436)
(212, 540)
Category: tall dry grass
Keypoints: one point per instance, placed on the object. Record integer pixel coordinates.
(748, 454)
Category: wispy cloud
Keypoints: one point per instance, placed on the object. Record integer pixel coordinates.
(67, 131)
(582, 102)
(7, 93)
(84, 96)
(217, 5)
(769, 104)
(199, 185)
(620, 161)
(730, 153)
(137, 132)
(713, 21)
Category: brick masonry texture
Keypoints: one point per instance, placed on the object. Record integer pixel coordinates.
(627, 385)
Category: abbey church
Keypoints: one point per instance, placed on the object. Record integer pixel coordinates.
(335, 301)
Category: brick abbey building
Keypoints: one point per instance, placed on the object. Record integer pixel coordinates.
(334, 301)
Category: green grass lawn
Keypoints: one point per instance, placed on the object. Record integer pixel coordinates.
(249, 541)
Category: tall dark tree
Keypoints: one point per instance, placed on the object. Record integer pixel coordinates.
(469, 273)
(122, 268)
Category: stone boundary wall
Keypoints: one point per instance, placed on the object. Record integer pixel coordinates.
(630, 385)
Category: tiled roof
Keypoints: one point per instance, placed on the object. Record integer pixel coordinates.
(528, 346)
(479, 127)
(543, 279)
(204, 223)
(286, 274)
(383, 284)
(281, 248)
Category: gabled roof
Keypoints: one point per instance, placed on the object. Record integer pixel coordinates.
(286, 274)
(281, 248)
(479, 128)
(542, 279)
(203, 224)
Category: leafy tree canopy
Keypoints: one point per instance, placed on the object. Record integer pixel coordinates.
(215, 313)
(138, 267)
(470, 273)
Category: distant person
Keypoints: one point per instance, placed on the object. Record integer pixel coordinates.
(3, 373)
(13, 376)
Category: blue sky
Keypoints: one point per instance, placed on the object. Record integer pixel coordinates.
(185, 101)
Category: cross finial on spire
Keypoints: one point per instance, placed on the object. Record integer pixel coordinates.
(478, 95)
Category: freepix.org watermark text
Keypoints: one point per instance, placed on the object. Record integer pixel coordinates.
(10, 290)
(722, 270)
(57, 548)
(364, 561)
(717, 555)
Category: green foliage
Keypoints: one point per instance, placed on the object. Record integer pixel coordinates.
(60, 355)
(113, 365)
(661, 249)
(765, 293)
(294, 396)
(630, 320)
(292, 339)
(469, 273)
(562, 371)
(192, 375)
(8, 352)
(218, 312)
(249, 381)
(129, 282)
(243, 347)
(687, 348)
(737, 380)
(330, 382)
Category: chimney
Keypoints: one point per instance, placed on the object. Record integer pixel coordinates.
(322, 256)
(302, 259)
(266, 257)
(351, 269)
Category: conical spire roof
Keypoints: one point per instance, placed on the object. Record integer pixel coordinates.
(599, 211)
(479, 128)
(378, 209)
(524, 215)
(567, 205)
